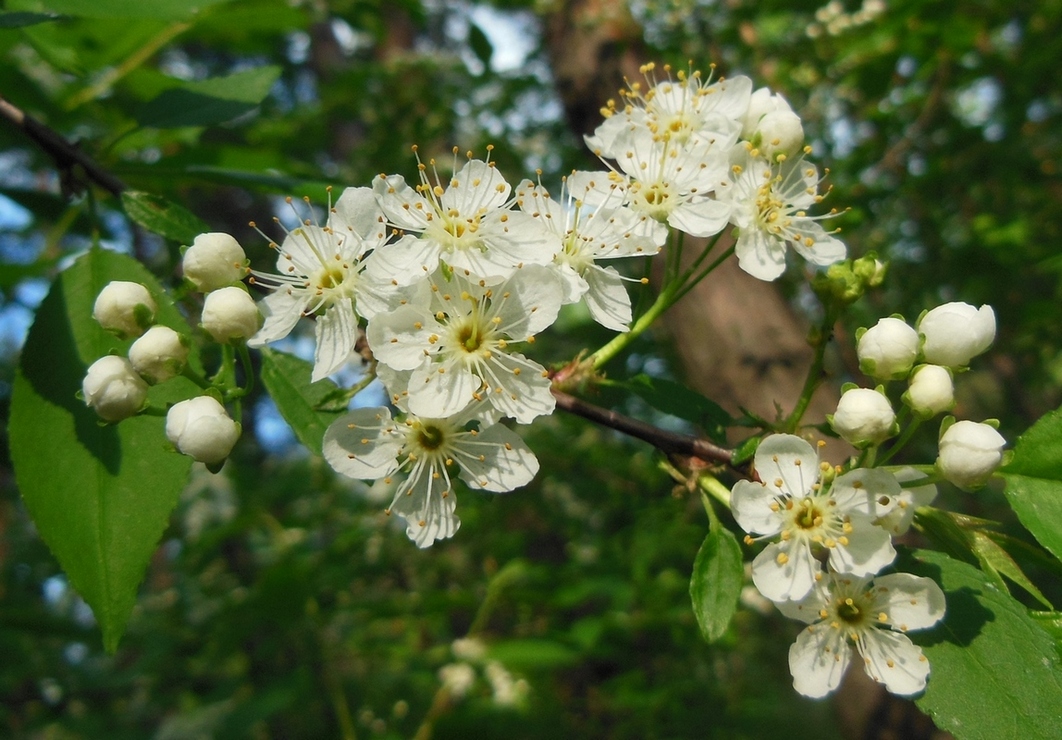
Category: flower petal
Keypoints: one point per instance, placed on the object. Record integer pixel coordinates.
(282, 310)
(427, 504)
(785, 571)
(869, 548)
(910, 602)
(750, 504)
(818, 660)
(441, 389)
(607, 299)
(789, 459)
(336, 332)
(496, 460)
(399, 339)
(892, 659)
(363, 444)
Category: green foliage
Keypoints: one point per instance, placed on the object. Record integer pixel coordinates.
(308, 407)
(996, 672)
(160, 216)
(208, 102)
(718, 575)
(100, 495)
(1034, 481)
(678, 400)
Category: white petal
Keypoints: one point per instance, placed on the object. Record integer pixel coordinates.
(427, 504)
(477, 185)
(789, 459)
(750, 504)
(866, 490)
(403, 206)
(607, 298)
(282, 310)
(336, 332)
(507, 463)
(357, 216)
(703, 218)
(438, 390)
(910, 602)
(818, 660)
(869, 549)
(404, 262)
(363, 444)
(760, 255)
(786, 581)
(895, 661)
(528, 302)
(807, 610)
(524, 396)
(399, 339)
(825, 249)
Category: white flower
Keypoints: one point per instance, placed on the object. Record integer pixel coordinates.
(897, 518)
(230, 313)
(684, 110)
(458, 345)
(159, 355)
(213, 261)
(201, 428)
(843, 612)
(888, 349)
(125, 308)
(457, 678)
(771, 126)
(770, 203)
(930, 391)
(864, 417)
(792, 504)
(969, 453)
(113, 389)
(673, 183)
(588, 233)
(324, 271)
(367, 444)
(468, 224)
(956, 332)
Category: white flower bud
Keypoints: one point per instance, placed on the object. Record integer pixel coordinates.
(864, 417)
(159, 355)
(969, 453)
(202, 429)
(771, 125)
(956, 332)
(888, 349)
(230, 313)
(113, 389)
(213, 261)
(931, 391)
(125, 308)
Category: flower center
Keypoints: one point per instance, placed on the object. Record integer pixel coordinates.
(430, 437)
(470, 339)
(809, 516)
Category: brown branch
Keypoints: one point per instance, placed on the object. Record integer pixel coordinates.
(670, 443)
(65, 154)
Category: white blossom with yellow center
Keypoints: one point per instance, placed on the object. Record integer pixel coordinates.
(457, 344)
(770, 203)
(809, 519)
(368, 444)
(871, 616)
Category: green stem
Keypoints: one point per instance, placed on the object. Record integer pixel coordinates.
(904, 438)
(248, 368)
(711, 485)
(620, 342)
(690, 284)
(815, 372)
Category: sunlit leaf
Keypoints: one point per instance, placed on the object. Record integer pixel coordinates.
(1034, 481)
(160, 216)
(306, 406)
(718, 574)
(211, 101)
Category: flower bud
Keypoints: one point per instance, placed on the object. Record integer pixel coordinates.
(864, 417)
(159, 355)
(113, 389)
(125, 308)
(888, 349)
(230, 313)
(931, 391)
(213, 261)
(771, 125)
(956, 332)
(969, 453)
(202, 429)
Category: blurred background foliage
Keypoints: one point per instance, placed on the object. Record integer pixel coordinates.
(281, 602)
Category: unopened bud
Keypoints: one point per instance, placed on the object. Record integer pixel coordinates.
(202, 429)
(931, 391)
(113, 389)
(213, 261)
(230, 313)
(864, 417)
(969, 453)
(125, 308)
(159, 355)
(956, 332)
(888, 349)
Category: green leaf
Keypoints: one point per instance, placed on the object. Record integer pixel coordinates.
(480, 44)
(160, 216)
(994, 559)
(162, 9)
(208, 102)
(678, 400)
(994, 671)
(99, 495)
(531, 654)
(21, 19)
(304, 405)
(1034, 481)
(718, 574)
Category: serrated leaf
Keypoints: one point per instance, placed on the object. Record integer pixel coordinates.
(995, 672)
(718, 574)
(100, 496)
(1034, 481)
(209, 102)
(160, 216)
(302, 404)
(678, 400)
(995, 559)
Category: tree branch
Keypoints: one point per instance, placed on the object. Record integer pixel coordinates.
(671, 443)
(65, 154)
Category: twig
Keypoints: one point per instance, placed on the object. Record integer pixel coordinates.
(65, 154)
(671, 443)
